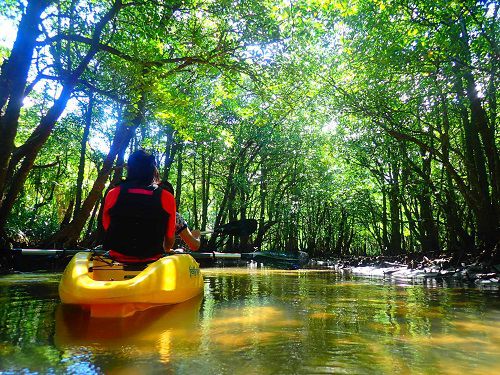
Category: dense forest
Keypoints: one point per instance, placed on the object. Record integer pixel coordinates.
(344, 127)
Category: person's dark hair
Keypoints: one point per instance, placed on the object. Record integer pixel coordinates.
(141, 168)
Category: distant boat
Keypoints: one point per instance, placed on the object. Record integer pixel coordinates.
(281, 260)
(268, 258)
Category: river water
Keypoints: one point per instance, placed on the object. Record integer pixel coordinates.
(258, 321)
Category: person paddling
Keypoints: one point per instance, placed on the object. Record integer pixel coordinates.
(139, 216)
(190, 237)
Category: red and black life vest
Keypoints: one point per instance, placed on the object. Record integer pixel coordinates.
(138, 222)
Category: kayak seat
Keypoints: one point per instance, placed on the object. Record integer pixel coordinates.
(103, 268)
(135, 266)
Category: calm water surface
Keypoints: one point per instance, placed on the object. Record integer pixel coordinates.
(255, 321)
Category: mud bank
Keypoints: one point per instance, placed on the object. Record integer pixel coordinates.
(474, 273)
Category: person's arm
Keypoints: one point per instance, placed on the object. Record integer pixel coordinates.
(191, 238)
(168, 204)
(168, 244)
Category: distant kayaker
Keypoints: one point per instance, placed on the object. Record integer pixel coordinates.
(139, 216)
(190, 237)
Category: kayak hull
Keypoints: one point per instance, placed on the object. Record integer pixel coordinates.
(113, 289)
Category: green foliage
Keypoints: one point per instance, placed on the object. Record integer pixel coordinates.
(341, 124)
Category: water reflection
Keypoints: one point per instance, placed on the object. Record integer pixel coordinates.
(150, 331)
(260, 322)
(243, 327)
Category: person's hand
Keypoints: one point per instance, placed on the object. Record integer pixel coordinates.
(175, 251)
(196, 233)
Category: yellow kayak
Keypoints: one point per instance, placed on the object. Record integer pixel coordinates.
(111, 289)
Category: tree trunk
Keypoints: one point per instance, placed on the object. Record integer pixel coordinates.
(178, 183)
(170, 151)
(193, 185)
(88, 234)
(95, 237)
(341, 232)
(395, 241)
(67, 215)
(13, 80)
(262, 209)
(206, 172)
(69, 235)
(385, 225)
(429, 237)
(481, 152)
(83, 150)
(457, 239)
(120, 159)
(35, 142)
(225, 198)
(30, 149)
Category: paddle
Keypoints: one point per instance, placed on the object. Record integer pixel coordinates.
(58, 252)
(243, 227)
(274, 260)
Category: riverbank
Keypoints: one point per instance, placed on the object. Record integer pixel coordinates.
(424, 268)
(416, 268)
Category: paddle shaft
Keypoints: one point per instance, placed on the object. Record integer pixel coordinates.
(53, 251)
(60, 252)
